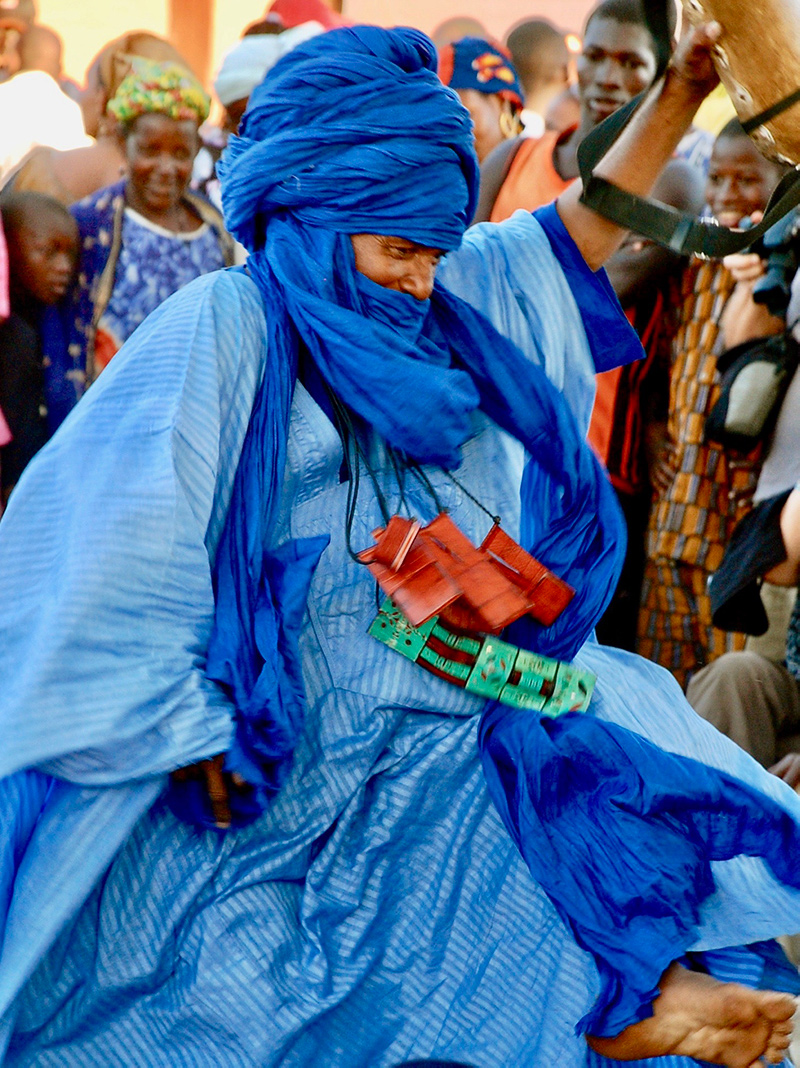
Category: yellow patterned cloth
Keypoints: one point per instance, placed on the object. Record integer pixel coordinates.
(160, 88)
(712, 489)
(675, 627)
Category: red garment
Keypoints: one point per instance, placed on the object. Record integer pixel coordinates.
(627, 397)
(5, 309)
(532, 180)
(291, 13)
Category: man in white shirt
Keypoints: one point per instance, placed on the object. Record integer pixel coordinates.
(34, 110)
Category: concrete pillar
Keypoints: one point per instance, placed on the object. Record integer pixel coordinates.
(190, 27)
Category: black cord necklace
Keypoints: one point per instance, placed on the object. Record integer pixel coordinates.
(355, 457)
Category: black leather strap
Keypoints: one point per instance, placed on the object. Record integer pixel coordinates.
(677, 230)
(680, 231)
(769, 113)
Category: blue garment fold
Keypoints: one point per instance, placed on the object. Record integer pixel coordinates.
(622, 835)
(259, 668)
(611, 337)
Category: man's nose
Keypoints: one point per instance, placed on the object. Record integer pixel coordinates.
(729, 190)
(63, 263)
(418, 279)
(609, 72)
(165, 164)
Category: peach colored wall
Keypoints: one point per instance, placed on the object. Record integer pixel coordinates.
(231, 17)
(496, 15)
(86, 25)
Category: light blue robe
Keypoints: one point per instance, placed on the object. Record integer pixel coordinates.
(378, 911)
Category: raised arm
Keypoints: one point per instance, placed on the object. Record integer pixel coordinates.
(648, 142)
(788, 573)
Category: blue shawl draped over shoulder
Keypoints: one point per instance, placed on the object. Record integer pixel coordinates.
(353, 133)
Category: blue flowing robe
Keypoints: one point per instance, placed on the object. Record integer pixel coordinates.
(378, 911)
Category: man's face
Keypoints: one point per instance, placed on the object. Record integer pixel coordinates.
(42, 256)
(617, 63)
(739, 181)
(484, 110)
(395, 263)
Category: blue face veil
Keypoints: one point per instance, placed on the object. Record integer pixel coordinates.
(354, 133)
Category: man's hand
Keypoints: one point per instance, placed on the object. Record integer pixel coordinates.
(660, 456)
(743, 319)
(692, 62)
(219, 785)
(788, 573)
(746, 267)
(788, 769)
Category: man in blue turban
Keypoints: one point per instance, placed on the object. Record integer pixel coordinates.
(235, 828)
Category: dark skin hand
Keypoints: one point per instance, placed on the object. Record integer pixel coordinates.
(220, 785)
(659, 452)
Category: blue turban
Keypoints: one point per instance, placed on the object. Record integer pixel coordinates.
(354, 132)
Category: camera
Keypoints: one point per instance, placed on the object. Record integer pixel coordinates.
(779, 248)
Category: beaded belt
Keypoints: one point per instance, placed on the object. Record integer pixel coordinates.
(485, 665)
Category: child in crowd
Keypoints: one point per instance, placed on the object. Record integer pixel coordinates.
(702, 490)
(42, 239)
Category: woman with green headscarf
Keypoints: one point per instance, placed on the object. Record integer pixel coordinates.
(143, 238)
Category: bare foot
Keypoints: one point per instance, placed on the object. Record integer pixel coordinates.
(697, 1016)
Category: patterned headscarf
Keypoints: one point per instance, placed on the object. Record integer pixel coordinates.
(474, 63)
(161, 89)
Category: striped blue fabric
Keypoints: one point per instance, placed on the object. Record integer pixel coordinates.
(378, 911)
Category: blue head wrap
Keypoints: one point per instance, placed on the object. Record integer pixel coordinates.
(486, 67)
(353, 132)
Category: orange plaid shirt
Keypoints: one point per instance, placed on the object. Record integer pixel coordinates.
(712, 489)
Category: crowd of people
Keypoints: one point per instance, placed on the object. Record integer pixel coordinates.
(192, 461)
